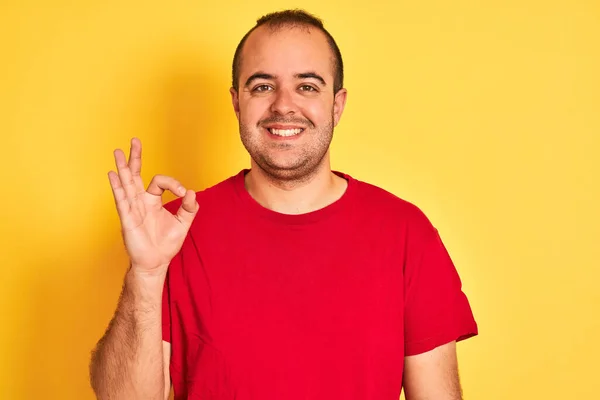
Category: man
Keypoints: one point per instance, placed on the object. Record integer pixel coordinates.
(287, 280)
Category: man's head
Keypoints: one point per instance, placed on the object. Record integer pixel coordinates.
(292, 19)
(287, 92)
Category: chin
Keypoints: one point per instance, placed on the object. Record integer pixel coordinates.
(297, 170)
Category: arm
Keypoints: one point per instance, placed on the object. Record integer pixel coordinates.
(437, 316)
(131, 361)
(433, 375)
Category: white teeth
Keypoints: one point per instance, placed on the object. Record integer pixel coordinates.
(285, 132)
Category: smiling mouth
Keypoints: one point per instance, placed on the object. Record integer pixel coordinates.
(285, 132)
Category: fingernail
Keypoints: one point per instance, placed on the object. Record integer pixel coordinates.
(182, 190)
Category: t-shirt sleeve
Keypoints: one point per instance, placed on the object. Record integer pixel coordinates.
(437, 310)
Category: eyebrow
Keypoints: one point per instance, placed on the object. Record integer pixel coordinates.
(259, 75)
(304, 75)
(311, 75)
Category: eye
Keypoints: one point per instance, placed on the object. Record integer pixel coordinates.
(308, 88)
(262, 88)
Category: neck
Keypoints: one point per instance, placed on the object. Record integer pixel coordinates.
(301, 196)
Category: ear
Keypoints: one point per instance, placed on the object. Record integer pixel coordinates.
(339, 102)
(235, 100)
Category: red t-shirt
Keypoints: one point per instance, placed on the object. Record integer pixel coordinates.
(324, 305)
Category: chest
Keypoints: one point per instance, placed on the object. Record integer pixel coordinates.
(297, 308)
(273, 286)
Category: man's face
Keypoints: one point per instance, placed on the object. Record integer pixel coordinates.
(285, 105)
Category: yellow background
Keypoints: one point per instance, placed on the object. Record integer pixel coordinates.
(484, 114)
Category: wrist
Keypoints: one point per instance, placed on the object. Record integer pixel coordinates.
(149, 273)
(145, 286)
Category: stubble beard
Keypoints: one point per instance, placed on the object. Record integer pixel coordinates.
(300, 165)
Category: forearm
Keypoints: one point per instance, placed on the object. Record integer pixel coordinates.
(128, 361)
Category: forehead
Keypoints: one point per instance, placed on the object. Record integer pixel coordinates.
(286, 51)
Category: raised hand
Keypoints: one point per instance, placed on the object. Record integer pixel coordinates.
(152, 235)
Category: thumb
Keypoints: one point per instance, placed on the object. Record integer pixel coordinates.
(188, 209)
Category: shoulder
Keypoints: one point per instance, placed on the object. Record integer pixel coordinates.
(377, 203)
(382, 200)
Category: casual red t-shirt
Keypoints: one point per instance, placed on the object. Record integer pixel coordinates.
(324, 305)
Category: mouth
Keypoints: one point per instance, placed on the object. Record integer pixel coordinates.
(285, 133)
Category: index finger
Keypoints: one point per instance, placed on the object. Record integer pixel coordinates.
(160, 183)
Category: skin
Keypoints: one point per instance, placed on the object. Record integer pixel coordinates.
(131, 360)
(433, 375)
(286, 81)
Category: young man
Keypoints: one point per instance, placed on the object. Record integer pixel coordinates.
(287, 280)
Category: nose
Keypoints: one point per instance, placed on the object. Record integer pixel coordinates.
(283, 102)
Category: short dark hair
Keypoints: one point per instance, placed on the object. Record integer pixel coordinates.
(292, 18)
